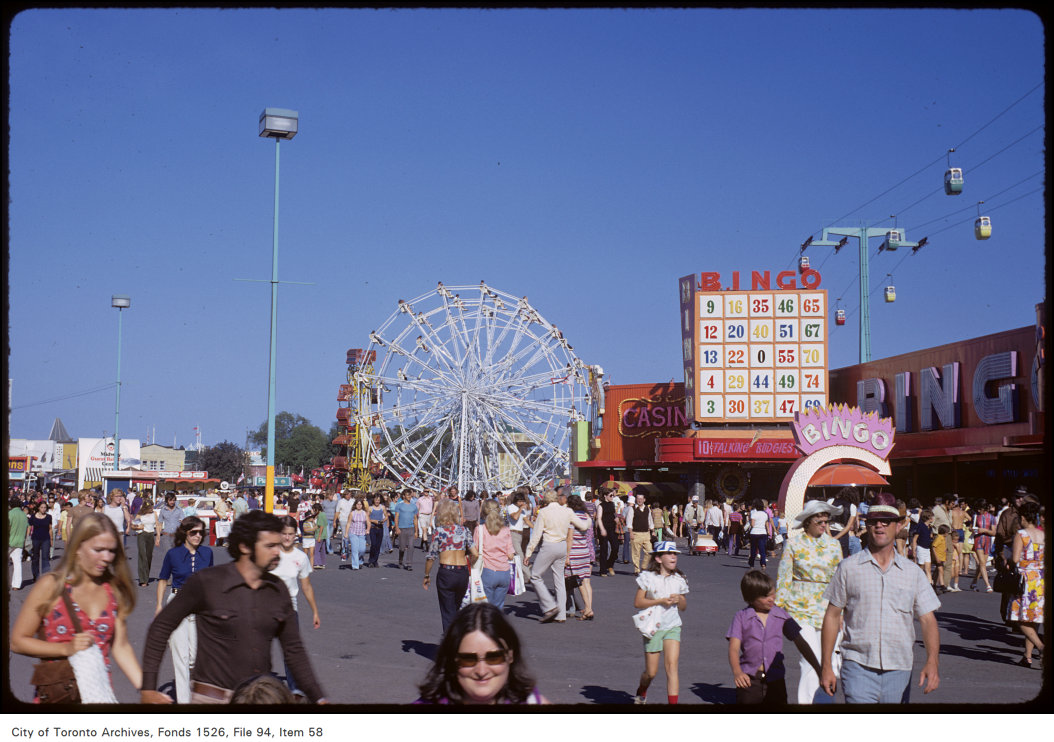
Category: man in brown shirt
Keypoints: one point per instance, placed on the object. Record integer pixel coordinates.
(84, 506)
(240, 608)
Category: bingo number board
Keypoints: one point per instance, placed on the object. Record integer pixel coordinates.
(760, 356)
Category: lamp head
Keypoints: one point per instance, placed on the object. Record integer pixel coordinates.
(278, 123)
(118, 301)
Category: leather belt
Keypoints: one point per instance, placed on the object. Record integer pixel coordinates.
(213, 693)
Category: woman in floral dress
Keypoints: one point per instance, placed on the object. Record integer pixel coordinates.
(809, 560)
(1026, 610)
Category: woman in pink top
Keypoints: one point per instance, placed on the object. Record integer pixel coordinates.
(494, 542)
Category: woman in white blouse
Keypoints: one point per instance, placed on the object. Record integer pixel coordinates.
(759, 532)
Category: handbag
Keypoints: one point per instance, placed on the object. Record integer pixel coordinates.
(647, 620)
(1009, 581)
(475, 592)
(54, 679)
(517, 586)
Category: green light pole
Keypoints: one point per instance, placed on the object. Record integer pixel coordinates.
(278, 124)
(120, 303)
(862, 235)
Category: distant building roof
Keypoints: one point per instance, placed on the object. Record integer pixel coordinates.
(59, 434)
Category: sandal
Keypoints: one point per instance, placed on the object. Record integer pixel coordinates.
(1024, 662)
(586, 616)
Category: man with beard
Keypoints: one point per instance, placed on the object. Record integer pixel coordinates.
(240, 607)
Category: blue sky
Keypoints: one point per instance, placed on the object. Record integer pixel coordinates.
(586, 159)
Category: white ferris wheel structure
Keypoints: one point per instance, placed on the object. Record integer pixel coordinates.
(473, 387)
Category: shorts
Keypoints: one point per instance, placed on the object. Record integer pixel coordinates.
(922, 556)
(654, 644)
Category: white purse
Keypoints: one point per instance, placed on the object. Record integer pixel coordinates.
(93, 679)
(647, 620)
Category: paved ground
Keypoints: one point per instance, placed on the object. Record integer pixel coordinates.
(380, 629)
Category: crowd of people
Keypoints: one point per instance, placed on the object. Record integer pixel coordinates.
(834, 557)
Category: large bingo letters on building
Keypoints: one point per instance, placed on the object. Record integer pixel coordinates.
(753, 356)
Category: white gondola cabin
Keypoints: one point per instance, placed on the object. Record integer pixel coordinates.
(839, 317)
(982, 227)
(803, 263)
(893, 240)
(953, 181)
(891, 294)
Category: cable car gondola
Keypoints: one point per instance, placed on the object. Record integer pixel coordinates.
(893, 240)
(953, 178)
(839, 317)
(803, 263)
(982, 227)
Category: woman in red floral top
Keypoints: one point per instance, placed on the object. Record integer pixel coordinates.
(94, 572)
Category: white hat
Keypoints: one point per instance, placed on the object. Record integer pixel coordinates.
(815, 507)
(695, 498)
(666, 547)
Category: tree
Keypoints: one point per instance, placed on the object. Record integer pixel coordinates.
(224, 461)
(298, 443)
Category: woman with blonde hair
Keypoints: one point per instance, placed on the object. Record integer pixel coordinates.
(90, 590)
(494, 542)
(452, 547)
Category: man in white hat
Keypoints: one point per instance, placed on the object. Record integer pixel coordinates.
(692, 515)
(881, 593)
(809, 560)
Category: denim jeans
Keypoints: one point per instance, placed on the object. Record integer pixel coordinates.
(40, 557)
(358, 549)
(866, 685)
(854, 544)
(757, 548)
(496, 586)
(451, 585)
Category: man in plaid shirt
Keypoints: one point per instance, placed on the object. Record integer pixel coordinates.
(881, 593)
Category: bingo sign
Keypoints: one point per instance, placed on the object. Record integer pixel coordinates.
(757, 355)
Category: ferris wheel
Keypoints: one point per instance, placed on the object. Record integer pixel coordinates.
(473, 387)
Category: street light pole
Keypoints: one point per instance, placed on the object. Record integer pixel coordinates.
(279, 124)
(120, 303)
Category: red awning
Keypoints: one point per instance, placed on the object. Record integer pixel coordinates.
(846, 475)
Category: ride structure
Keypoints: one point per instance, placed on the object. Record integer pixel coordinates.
(468, 385)
(353, 469)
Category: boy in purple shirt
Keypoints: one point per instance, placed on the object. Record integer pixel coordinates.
(755, 643)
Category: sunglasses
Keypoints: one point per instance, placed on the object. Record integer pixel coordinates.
(196, 532)
(466, 660)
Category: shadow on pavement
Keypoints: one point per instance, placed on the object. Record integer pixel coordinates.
(422, 649)
(972, 628)
(710, 693)
(600, 694)
(1003, 655)
(523, 610)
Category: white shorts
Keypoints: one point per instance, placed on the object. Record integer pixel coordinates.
(922, 556)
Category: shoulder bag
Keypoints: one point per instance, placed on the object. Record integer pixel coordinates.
(54, 678)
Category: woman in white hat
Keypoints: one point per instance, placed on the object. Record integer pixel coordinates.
(810, 557)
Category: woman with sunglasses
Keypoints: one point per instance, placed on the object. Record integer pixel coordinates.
(479, 662)
(184, 559)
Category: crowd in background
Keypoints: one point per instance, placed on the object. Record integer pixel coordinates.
(481, 547)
